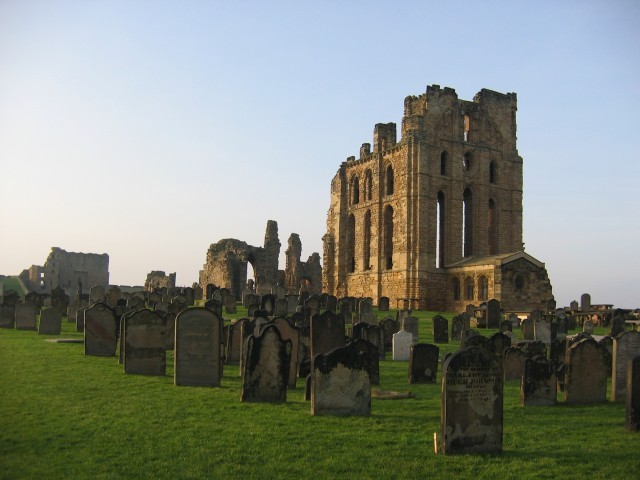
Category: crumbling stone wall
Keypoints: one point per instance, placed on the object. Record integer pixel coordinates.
(158, 279)
(306, 275)
(396, 217)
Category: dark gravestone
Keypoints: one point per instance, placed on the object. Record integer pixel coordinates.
(135, 303)
(60, 300)
(587, 327)
(617, 325)
(373, 334)
(586, 369)
(527, 329)
(331, 304)
(50, 321)
(506, 326)
(82, 306)
(266, 367)
(169, 330)
(268, 304)
(344, 307)
(144, 343)
(459, 324)
(585, 302)
(247, 328)
(542, 331)
(471, 411)
(281, 307)
(290, 333)
(632, 410)
(234, 343)
(100, 331)
(410, 324)
(252, 309)
(25, 316)
(514, 362)
(312, 306)
(230, 304)
(534, 349)
(478, 341)
(383, 304)
(539, 385)
(389, 327)
(440, 329)
(498, 343)
(365, 306)
(96, 294)
(626, 346)
(215, 306)
(466, 335)
(327, 333)
(340, 383)
(423, 363)
(35, 299)
(198, 356)
(494, 315)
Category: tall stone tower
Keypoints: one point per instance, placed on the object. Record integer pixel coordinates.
(406, 218)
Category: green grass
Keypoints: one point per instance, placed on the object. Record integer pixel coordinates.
(65, 415)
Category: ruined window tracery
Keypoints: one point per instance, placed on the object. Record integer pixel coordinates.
(389, 180)
(355, 190)
(467, 127)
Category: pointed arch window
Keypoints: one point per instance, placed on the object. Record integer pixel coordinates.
(468, 288)
(483, 288)
(389, 180)
(467, 223)
(444, 158)
(440, 245)
(388, 237)
(351, 244)
(493, 228)
(355, 190)
(455, 287)
(492, 172)
(366, 251)
(368, 183)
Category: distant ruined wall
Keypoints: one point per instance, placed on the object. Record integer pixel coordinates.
(158, 279)
(306, 275)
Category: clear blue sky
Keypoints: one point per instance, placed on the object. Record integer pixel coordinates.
(149, 130)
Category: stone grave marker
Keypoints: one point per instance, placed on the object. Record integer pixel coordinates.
(198, 357)
(514, 319)
(498, 343)
(410, 324)
(527, 329)
(466, 335)
(266, 367)
(25, 314)
(459, 324)
(514, 363)
(50, 321)
(440, 329)
(632, 404)
(96, 294)
(312, 306)
(177, 304)
(389, 327)
(83, 305)
(617, 325)
(402, 342)
(494, 315)
(34, 298)
(290, 333)
(281, 307)
(626, 346)
(586, 369)
(340, 382)
(169, 330)
(135, 303)
(365, 306)
(371, 333)
(383, 304)
(542, 331)
(144, 343)
(539, 384)
(402, 314)
(230, 304)
(574, 306)
(113, 295)
(331, 303)
(234, 342)
(585, 302)
(534, 349)
(536, 315)
(215, 306)
(478, 341)
(72, 310)
(327, 333)
(472, 403)
(607, 342)
(587, 327)
(506, 326)
(423, 363)
(100, 331)
(161, 307)
(268, 304)
(292, 304)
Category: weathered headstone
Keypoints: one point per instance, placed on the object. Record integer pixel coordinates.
(100, 331)
(169, 329)
(230, 304)
(506, 326)
(459, 324)
(214, 305)
(144, 343)
(494, 315)
(197, 357)
(25, 316)
(50, 321)
(539, 385)
(234, 342)
(472, 412)
(542, 331)
(410, 324)
(514, 362)
(527, 329)
(626, 346)
(587, 327)
(632, 410)
(113, 295)
(327, 333)
(586, 368)
(389, 327)
(96, 294)
(290, 333)
(266, 367)
(585, 302)
(7, 316)
(423, 363)
(340, 383)
(440, 329)
(268, 304)
(617, 325)
(498, 343)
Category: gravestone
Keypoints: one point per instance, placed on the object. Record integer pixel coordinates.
(410, 324)
(373, 334)
(514, 363)
(25, 316)
(365, 306)
(96, 294)
(34, 298)
(585, 302)
(539, 384)
(135, 303)
(161, 307)
(506, 326)
(423, 363)
(7, 316)
(587, 327)
(292, 304)
(252, 309)
(169, 330)
(327, 333)
(266, 367)
(230, 304)
(607, 342)
(383, 304)
(459, 324)
(514, 319)
(100, 331)
(542, 331)
(268, 304)
(331, 303)
(389, 327)
(466, 335)
(215, 306)
(534, 349)
(340, 382)
(402, 342)
(113, 295)
(494, 315)
(197, 358)
(472, 403)
(83, 305)
(632, 404)
(290, 333)
(144, 343)
(617, 325)
(188, 295)
(312, 306)
(574, 306)
(281, 307)
(586, 368)
(498, 343)
(72, 310)
(60, 300)
(478, 341)
(626, 347)
(527, 329)
(440, 329)
(235, 341)
(50, 321)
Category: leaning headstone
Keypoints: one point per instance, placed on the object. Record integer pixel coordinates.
(632, 410)
(440, 329)
(266, 367)
(327, 333)
(290, 333)
(144, 343)
(542, 331)
(340, 382)
(586, 368)
(539, 385)
(472, 414)
(513, 364)
(50, 321)
(626, 347)
(197, 357)
(423, 363)
(402, 342)
(410, 324)
(100, 331)
(25, 316)
(527, 329)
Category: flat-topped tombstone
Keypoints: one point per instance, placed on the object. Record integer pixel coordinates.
(542, 331)
(100, 331)
(410, 324)
(50, 321)
(292, 304)
(290, 333)
(513, 364)
(423, 363)
(383, 304)
(113, 295)
(327, 333)
(440, 329)
(514, 319)
(494, 315)
(626, 346)
(586, 369)
(144, 343)
(97, 294)
(252, 309)
(340, 382)
(7, 316)
(197, 358)
(402, 342)
(632, 405)
(539, 384)
(527, 329)
(370, 318)
(472, 413)
(25, 316)
(266, 367)
(281, 307)
(371, 333)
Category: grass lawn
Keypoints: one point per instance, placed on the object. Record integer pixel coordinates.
(65, 415)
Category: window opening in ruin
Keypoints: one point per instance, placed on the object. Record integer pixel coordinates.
(466, 161)
(444, 156)
(493, 230)
(388, 237)
(366, 254)
(467, 224)
(467, 127)
(492, 172)
(389, 180)
(356, 191)
(351, 244)
(455, 283)
(468, 288)
(483, 288)
(368, 185)
(519, 283)
(440, 231)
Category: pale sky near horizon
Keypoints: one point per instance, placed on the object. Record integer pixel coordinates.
(150, 129)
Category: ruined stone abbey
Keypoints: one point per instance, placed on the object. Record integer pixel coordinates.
(435, 218)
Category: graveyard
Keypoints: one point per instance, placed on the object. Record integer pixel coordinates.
(71, 413)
